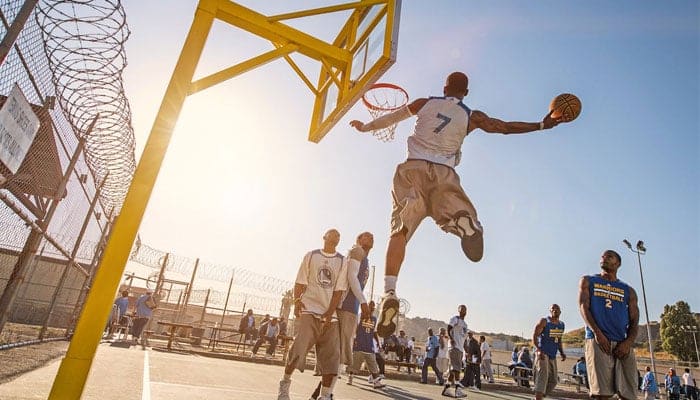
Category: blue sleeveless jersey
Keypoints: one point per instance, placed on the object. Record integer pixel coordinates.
(364, 337)
(609, 307)
(550, 337)
(350, 303)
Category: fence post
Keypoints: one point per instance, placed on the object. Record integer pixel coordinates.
(32, 244)
(71, 262)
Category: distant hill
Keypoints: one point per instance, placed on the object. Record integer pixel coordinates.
(575, 337)
(418, 328)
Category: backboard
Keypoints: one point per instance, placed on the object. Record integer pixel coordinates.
(370, 35)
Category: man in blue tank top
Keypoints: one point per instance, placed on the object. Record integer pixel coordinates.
(547, 339)
(609, 309)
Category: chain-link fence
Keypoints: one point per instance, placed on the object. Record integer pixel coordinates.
(185, 281)
(66, 59)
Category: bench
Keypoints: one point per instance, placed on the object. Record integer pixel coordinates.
(399, 364)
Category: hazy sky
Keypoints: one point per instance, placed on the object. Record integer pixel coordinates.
(242, 186)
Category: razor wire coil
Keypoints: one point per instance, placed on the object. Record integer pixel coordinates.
(84, 43)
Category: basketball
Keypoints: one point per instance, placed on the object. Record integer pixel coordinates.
(566, 106)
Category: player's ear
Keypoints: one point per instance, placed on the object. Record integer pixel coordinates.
(466, 92)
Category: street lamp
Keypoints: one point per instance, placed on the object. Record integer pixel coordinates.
(642, 250)
(693, 329)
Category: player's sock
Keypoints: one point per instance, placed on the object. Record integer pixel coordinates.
(390, 283)
(326, 391)
(332, 386)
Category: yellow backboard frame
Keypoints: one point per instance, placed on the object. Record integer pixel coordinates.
(337, 61)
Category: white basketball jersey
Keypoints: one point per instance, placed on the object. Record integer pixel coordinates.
(322, 274)
(440, 129)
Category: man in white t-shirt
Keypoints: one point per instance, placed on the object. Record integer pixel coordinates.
(318, 289)
(689, 387)
(457, 330)
(486, 359)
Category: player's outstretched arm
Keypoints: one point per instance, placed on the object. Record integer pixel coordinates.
(391, 118)
(479, 119)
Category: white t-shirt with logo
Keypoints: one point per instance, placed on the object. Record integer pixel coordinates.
(322, 273)
(459, 332)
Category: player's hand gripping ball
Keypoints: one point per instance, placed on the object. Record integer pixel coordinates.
(567, 106)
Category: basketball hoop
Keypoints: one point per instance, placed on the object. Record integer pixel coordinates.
(381, 99)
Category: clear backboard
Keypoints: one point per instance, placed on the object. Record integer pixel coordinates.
(370, 35)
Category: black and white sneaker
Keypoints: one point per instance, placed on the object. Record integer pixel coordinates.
(388, 314)
(472, 234)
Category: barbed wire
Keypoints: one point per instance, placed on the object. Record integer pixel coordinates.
(153, 258)
(84, 43)
(236, 302)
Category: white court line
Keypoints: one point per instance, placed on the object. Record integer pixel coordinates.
(146, 390)
(213, 387)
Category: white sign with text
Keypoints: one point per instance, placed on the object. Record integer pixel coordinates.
(18, 127)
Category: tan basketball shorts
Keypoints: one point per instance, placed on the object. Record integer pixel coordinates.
(426, 189)
(311, 331)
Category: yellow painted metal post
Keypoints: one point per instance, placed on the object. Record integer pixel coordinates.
(75, 367)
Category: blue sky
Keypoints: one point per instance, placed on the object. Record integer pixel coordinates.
(242, 186)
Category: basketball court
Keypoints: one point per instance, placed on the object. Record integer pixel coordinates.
(119, 373)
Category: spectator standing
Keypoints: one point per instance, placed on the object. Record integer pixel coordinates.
(486, 359)
(472, 377)
(689, 386)
(547, 339)
(649, 386)
(410, 347)
(673, 385)
(401, 349)
(432, 347)
(145, 305)
(443, 359)
(457, 329)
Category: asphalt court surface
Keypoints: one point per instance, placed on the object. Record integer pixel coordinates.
(134, 373)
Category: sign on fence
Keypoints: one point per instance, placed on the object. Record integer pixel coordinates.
(18, 127)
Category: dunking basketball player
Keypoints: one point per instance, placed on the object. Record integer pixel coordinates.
(426, 184)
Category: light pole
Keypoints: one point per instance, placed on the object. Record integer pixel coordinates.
(642, 250)
(693, 329)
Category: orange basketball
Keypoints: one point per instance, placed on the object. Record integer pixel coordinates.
(567, 106)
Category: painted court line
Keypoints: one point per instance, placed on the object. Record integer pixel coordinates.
(146, 390)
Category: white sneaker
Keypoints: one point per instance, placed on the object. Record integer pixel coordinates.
(349, 382)
(268, 357)
(370, 380)
(378, 384)
(283, 393)
(459, 392)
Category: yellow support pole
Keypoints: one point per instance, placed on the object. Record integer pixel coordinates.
(75, 366)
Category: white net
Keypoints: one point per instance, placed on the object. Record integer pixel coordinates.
(381, 99)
